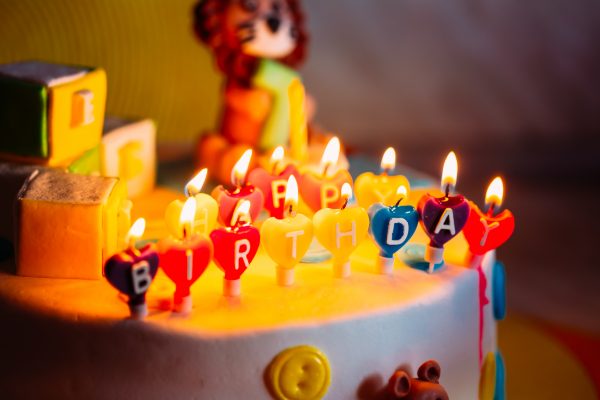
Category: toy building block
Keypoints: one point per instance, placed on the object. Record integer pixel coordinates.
(50, 113)
(70, 224)
(128, 151)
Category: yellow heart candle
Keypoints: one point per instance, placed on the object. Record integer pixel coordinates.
(371, 188)
(341, 230)
(287, 240)
(205, 217)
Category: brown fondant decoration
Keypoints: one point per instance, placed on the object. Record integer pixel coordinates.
(425, 387)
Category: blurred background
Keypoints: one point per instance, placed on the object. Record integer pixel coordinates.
(512, 86)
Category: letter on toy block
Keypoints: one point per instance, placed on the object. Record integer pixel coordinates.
(128, 151)
(69, 224)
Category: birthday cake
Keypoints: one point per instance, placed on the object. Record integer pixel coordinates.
(293, 280)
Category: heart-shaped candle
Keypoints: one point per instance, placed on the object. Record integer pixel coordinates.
(340, 231)
(242, 190)
(132, 271)
(273, 184)
(371, 188)
(287, 240)
(442, 218)
(184, 259)
(324, 190)
(235, 248)
(207, 209)
(391, 228)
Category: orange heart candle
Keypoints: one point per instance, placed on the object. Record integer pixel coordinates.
(324, 190)
(273, 184)
(287, 240)
(371, 189)
(341, 230)
(184, 259)
(242, 190)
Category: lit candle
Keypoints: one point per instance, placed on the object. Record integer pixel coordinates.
(371, 188)
(184, 258)
(298, 126)
(235, 247)
(442, 218)
(273, 183)
(132, 271)
(391, 228)
(287, 240)
(341, 230)
(207, 209)
(323, 190)
(488, 231)
(242, 190)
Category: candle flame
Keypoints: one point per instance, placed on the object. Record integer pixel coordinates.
(136, 231)
(450, 171)
(331, 154)
(194, 186)
(401, 191)
(291, 193)
(188, 212)
(277, 155)
(495, 192)
(388, 161)
(240, 169)
(241, 214)
(346, 191)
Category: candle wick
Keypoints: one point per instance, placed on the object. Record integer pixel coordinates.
(345, 203)
(448, 190)
(275, 168)
(325, 169)
(490, 210)
(399, 201)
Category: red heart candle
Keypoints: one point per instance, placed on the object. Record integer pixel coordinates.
(442, 218)
(323, 190)
(185, 259)
(132, 271)
(242, 190)
(235, 248)
(273, 184)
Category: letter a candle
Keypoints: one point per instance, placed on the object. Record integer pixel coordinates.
(132, 271)
(442, 218)
(185, 258)
(341, 230)
(235, 248)
(287, 240)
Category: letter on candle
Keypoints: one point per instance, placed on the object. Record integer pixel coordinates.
(390, 232)
(140, 277)
(329, 194)
(339, 234)
(201, 219)
(294, 235)
(241, 254)
(487, 228)
(278, 191)
(446, 222)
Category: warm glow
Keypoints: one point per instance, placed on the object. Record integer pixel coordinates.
(241, 214)
(450, 171)
(136, 231)
(331, 154)
(291, 193)
(277, 155)
(346, 191)
(188, 213)
(401, 191)
(388, 161)
(240, 169)
(194, 186)
(495, 192)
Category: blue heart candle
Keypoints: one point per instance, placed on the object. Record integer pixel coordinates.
(391, 228)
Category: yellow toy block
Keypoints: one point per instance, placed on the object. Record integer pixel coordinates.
(70, 224)
(128, 151)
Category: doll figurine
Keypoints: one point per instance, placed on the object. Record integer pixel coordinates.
(256, 44)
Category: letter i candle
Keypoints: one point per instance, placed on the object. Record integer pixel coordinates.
(185, 258)
(287, 240)
(235, 247)
(273, 183)
(341, 230)
(132, 271)
(391, 228)
(442, 218)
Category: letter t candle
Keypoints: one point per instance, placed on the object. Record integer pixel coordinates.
(442, 218)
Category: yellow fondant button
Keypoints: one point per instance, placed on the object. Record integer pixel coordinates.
(299, 373)
(487, 380)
